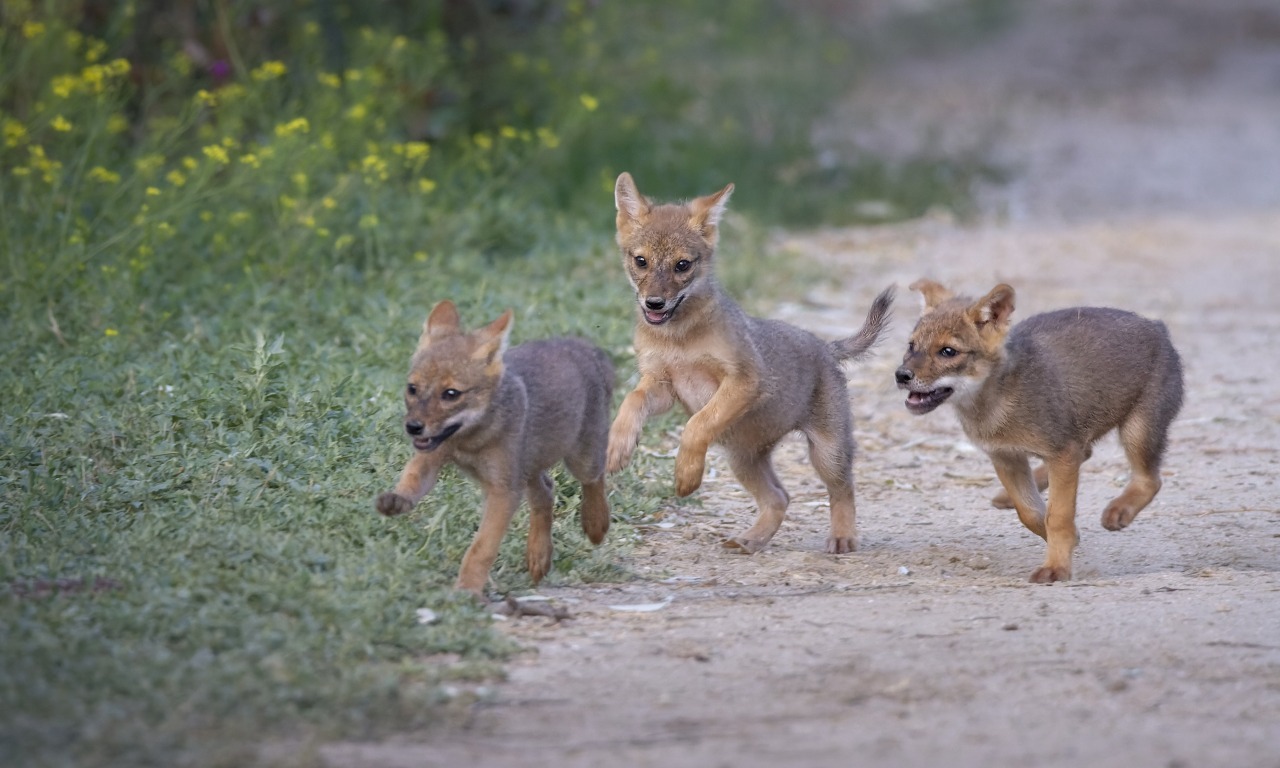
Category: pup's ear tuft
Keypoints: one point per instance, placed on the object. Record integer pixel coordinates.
(994, 308)
(492, 339)
(705, 213)
(442, 321)
(632, 206)
(931, 293)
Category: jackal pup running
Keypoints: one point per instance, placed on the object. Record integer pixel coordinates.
(746, 381)
(1049, 387)
(505, 417)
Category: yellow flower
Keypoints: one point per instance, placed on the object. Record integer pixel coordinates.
(297, 125)
(417, 150)
(357, 112)
(251, 160)
(329, 203)
(482, 140)
(288, 202)
(14, 132)
(95, 51)
(368, 221)
(426, 186)
(374, 168)
(217, 154)
(60, 123)
(64, 85)
(176, 178)
(206, 216)
(153, 192)
(300, 180)
(342, 242)
(149, 164)
(398, 42)
(329, 79)
(118, 67)
(589, 101)
(98, 173)
(165, 229)
(548, 138)
(269, 71)
(117, 123)
(322, 232)
(206, 99)
(21, 170)
(307, 220)
(32, 29)
(508, 132)
(238, 218)
(420, 256)
(111, 332)
(190, 163)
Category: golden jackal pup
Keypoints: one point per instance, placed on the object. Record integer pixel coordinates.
(1049, 387)
(505, 417)
(746, 381)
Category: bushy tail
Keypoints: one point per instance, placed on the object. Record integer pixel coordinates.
(858, 344)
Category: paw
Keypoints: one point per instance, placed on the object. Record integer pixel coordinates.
(392, 504)
(1002, 501)
(472, 586)
(689, 469)
(1047, 574)
(841, 545)
(743, 546)
(539, 561)
(1117, 516)
(619, 453)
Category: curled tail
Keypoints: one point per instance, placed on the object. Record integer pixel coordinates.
(858, 344)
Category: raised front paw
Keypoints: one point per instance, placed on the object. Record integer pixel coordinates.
(1047, 574)
(392, 504)
(689, 469)
(620, 449)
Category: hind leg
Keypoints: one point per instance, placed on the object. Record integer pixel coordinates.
(1144, 446)
(832, 458)
(541, 494)
(755, 472)
(588, 468)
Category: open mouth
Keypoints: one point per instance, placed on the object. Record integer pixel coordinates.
(433, 442)
(658, 318)
(923, 402)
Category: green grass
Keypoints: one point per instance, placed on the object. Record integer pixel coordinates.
(211, 288)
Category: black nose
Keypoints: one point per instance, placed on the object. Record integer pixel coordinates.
(413, 427)
(655, 302)
(903, 375)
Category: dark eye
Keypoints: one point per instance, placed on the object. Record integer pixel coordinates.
(450, 394)
(683, 265)
(641, 262)
(412, 389)
(948, 352)
(911, 347)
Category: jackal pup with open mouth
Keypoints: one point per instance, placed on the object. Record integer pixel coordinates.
(1050, 387)
(746, 381)
(505, 417)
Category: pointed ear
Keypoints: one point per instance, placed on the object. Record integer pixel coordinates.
(491, 340)
(994, 308)
(442, 321)
(931, 293)
(705, 213)
(632, 206)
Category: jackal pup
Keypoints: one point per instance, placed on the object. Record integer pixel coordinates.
(746, 381)
(1049, 387)
(505, 417)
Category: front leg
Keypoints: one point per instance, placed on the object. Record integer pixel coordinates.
(1021, 488)
(417, 480)
(726, 406)
(650, 398)
(1060, 524)
(500, 503)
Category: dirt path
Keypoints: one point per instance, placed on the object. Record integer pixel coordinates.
(1146, 142)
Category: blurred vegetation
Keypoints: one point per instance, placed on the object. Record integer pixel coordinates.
(222, 224)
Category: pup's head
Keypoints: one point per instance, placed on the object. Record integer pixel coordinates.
(667, 249)
(955, 345)
(453, 376)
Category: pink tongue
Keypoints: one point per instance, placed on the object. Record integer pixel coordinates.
(915, 397)
(654, 317)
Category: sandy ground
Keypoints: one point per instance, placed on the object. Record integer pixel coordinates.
(1144, 139)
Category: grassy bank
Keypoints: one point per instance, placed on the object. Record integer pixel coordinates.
(223, 225)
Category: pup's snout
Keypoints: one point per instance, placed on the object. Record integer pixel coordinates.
(413, 427)
(904, 375)
(655, 303)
